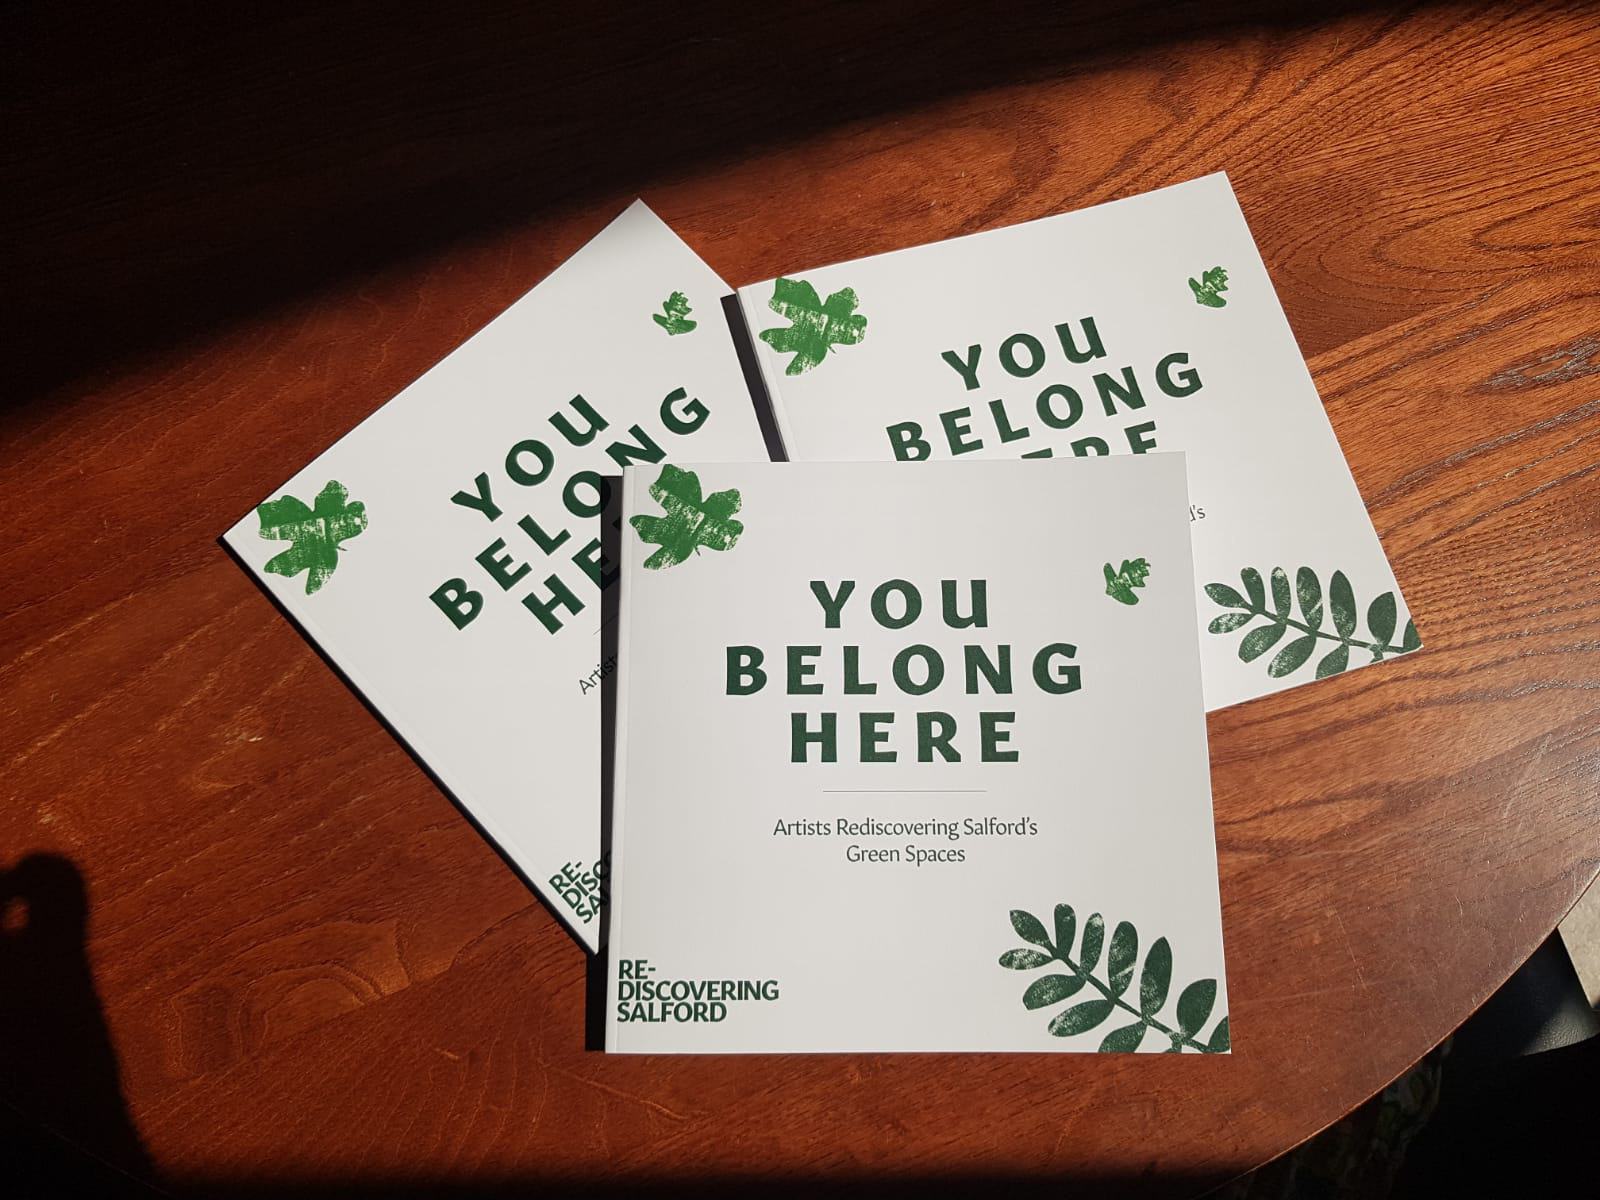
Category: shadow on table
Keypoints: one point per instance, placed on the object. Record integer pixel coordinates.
(942, 1186)
(59, 1087)
(65, 1127)
(170, 172)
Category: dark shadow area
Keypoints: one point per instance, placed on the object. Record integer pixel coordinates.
(1503, 1107)
(60, 1093)
(172, 170)
(1531, 1128)
(744, 346)
(1516, 1108)
(1506, 1106)
(596, 969)
(992, 1187)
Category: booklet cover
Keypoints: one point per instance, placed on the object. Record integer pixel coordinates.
(1142, 325)
(447, 552)
(912, 759)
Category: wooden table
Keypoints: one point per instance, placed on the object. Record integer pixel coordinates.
(232, 239)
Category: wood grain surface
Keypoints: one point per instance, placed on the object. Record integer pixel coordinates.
(232, 235)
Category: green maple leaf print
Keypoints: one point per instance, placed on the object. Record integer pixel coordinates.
(815, 327)
(1120, 584)
(676, 319)
(314, 533)
(1207, 290)
(690, 522)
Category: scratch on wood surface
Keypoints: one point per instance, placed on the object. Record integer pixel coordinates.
(1530, 764)
(107, 698)
(1286, 997)
(608, 1089)
(1350, 948)
(1061, 1138)
(98, 614)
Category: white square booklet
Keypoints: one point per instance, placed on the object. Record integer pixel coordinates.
(912, 758)
(1143, 325)
(447, 552)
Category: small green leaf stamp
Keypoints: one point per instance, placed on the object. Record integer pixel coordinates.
(1317, 609)
(313, 533)
(1182, 1030)
(815, 327)
(1120, 584)
(1209, 287)
(674, 314)
(690, 522)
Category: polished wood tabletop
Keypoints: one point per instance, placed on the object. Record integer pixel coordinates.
(247, 940)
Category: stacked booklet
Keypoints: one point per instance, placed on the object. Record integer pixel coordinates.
(450, 552)
(1144, 325)
(909, 731)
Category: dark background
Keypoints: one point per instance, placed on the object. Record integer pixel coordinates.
(172, 167)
